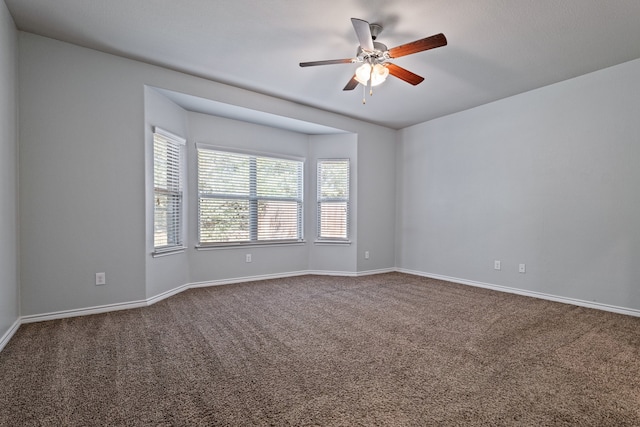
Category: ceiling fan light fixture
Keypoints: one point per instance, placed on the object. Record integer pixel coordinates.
(378, 74)
(363, 73)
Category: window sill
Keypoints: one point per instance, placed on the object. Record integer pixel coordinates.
(249, 245)
(331, 242)
(171, 251)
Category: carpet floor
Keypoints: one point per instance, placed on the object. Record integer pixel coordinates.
(382, 350)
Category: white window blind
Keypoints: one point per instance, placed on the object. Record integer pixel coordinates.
(244, 198)
(167, 190)
(333, 199)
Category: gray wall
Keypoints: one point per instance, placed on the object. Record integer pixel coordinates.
(548, 178)
(9, 293)
(83, 150)
(81, 172)
(376, 200)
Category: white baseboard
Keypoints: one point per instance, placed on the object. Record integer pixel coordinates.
(7, 336)
(379, 271)
(350, 273)
(83, 311)
(164, 295)
(534, 294)
(332, 273)
(157, 298)
(220, 282)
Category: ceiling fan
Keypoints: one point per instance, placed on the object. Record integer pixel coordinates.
(374, 57)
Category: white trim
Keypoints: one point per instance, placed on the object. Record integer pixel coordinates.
(164, 295)
(534, 294)
(169, 135)
(7, 336)
(246, 279)
(151, 300)
(321, 242)
(350, 273)
(247, 152)
(378, 271)
(332, 273)
(171, 251)
(83, 311)
(260, 243)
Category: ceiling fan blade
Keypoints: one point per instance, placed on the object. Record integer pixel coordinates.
(363, 31)
(327, 62)
(352, 83)
(418, 46)
(404, 74)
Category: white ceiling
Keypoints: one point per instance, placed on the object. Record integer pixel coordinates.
(497, 48)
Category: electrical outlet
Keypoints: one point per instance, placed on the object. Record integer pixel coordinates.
(248, 258)
(366, 254)
(101, 279)
(522, 268)
(496, 265)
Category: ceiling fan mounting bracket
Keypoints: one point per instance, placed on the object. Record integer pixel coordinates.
(376, 29)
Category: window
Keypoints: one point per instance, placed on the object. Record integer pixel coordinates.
(167, 191)
(246, 198)
(333, 199)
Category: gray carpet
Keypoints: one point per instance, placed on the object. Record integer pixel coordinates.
(389, 349)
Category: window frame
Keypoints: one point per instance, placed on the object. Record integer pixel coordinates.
(175, 171)
(330, 200)
(252, 198)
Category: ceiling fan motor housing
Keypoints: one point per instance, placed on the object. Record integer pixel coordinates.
(379, 55)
